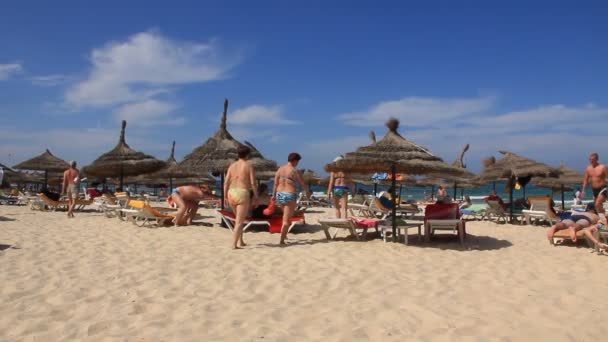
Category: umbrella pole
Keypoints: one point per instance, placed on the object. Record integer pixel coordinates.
(400, 188)
(432, 192)
(455, 189)
(563, 206)
(511, 202)
(170, 184)
(494, 186)
(222, 184)
(524, 192)
(394, 184)
(375, 189)
(46, 178)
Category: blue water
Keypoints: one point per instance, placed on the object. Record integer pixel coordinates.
(476, 194)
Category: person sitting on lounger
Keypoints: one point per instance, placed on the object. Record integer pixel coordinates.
(262, 202)
(442, 195)
(494, 197)
(466, 203)
(576, 222)
(386, 198)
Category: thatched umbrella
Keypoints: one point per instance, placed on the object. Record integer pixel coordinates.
(171, 171)
(393, 153)
(568, 176)
(46, 162)
(123, 161)
(513, 167)
(219, 151)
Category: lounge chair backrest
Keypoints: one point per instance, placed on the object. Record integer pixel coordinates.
(495, 205)
(137, 204)
(542, 203)
(441, 211)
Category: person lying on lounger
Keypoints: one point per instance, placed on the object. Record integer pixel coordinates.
(576, 222)
(589, 234)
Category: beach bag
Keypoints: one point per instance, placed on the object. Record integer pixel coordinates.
(272, 206)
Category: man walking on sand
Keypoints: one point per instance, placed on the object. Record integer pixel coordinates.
(596, 174)
(71, 180)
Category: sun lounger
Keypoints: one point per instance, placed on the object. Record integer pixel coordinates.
(274, 223)
(540, 209)
(350, 224)
(473, 212)
(442, 216)
(51, 204)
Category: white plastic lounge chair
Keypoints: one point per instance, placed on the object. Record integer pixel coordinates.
(540, 209)
(229, 219)
(348, 224)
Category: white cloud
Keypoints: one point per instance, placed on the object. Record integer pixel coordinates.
(136, 69)
(49, 80)
(262, 115)
(241, 134)
(8, 70)
(149, 113)
(418, 111)
(83, 145)
(550, 134)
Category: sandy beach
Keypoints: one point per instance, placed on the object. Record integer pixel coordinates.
(95, 278)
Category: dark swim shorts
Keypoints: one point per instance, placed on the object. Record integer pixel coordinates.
(599, 191)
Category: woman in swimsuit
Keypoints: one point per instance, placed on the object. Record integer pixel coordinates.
(576, 222)
(285, 192)
(186, 198)
(339, 186)
(240, 182)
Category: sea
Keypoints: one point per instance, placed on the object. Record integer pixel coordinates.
(476, 194)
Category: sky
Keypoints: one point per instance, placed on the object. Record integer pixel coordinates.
(314, 77)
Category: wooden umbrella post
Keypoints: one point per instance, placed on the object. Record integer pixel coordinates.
(563, 205)
(394, 210)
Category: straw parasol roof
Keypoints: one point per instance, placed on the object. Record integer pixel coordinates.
(219, 151)
(514, 165)
(393, 150)
(393, 153)
(46, 162)
(122, 161)
(568, 176)
(170, 171)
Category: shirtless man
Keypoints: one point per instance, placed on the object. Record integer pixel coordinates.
(285, 192)
(186, 198)
(596, 174)
(71, 180)
(239, 188)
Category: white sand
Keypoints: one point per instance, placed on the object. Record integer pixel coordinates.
(94, 278)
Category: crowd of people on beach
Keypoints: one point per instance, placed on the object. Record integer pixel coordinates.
(248, 199)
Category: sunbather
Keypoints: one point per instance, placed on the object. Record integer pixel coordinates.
(186, 198)
(285, 192)
(590, 234)
(339, 186)
(238, 189)
(262, 202)
(576, 222)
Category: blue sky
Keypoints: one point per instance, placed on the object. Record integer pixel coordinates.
(313, 77)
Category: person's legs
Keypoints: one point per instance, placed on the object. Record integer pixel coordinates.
(580, 224)
(344, 205)
(182, 209)
(558, 226)
(192, 209)
(240, 211)
(599, 206)
(336, 200)
(288, 210)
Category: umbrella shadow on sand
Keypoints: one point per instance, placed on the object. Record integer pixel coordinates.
(471, 243)
(2, 218)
